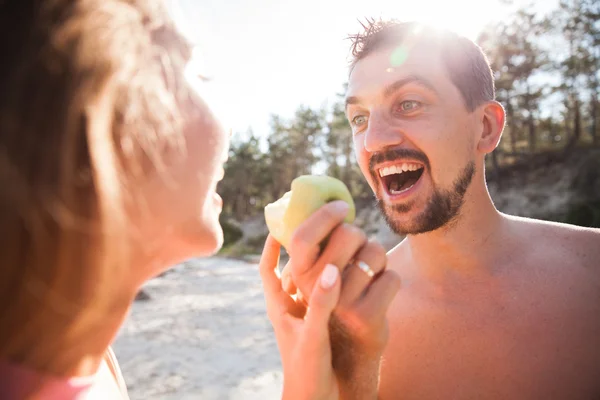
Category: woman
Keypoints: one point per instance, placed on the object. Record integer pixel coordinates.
(109, 165)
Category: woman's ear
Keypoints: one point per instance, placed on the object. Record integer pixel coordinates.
(493, 119)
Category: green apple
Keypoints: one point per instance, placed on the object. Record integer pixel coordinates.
(308, 193)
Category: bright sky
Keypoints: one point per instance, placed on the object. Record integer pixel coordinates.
(271, 56)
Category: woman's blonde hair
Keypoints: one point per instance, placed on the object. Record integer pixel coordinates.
(89, 99)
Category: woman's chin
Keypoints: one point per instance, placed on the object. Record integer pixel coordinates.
(202, 244)
(198, 239)
(217, 243)
(210, 241)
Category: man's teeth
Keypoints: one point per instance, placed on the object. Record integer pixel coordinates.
(398, 169)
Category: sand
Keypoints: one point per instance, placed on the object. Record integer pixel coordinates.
(203, 334)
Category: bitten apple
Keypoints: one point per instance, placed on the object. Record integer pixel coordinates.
(308, 193)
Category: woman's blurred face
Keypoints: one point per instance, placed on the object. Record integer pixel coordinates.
(181, 208)
(208, 146)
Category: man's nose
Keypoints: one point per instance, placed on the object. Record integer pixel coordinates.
(381, 134)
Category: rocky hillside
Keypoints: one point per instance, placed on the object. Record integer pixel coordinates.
(565, 190)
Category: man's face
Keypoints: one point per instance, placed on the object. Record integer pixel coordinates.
(413, 136)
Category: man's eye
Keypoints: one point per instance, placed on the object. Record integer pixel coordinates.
(359, 120)
(409, 105)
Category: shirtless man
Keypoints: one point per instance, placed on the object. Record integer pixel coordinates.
(491, 306)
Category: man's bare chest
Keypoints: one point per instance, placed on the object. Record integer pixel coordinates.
(499, 350)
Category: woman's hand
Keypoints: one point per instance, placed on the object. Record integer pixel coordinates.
(302, 334)
(358, 329)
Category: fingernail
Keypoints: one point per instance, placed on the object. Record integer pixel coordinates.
(329, 276)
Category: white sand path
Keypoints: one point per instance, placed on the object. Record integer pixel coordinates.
(204, 334)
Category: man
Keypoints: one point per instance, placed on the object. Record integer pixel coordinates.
(491, 306)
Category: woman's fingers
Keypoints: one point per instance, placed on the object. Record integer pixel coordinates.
(380, 293)
(345, 241)
(373, 258)
(323, 300)
(277, 300)
(304, 246)
(287, 281)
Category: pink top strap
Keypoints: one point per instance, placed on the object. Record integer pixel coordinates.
(19, 383)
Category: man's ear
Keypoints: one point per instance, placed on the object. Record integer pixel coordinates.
(492, 123)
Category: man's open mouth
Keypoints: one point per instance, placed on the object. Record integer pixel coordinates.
(401, 177)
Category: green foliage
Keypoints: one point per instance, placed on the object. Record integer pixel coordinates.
(256, 242)
(231, 231)
(584, 214)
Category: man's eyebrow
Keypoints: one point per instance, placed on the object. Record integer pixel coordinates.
(351, 100)
(394, 87)
(419, 80)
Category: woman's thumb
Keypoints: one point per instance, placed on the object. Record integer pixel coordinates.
(323, 300)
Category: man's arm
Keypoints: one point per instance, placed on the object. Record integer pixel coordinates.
(357, 370)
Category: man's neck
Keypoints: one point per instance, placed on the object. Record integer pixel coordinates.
(465, 245)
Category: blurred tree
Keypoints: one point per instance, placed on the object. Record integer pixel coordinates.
(577, 21)
(242, 186)
(517, 58)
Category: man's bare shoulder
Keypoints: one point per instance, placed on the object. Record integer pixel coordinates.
(558, 239)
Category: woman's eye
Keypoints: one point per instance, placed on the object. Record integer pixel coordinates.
(359, 120)
(409, 105)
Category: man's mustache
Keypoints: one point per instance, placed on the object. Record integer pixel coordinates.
(394, 154)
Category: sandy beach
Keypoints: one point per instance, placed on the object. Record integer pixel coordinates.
(203, 334)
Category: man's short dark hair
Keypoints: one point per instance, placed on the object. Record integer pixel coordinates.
(467, 65)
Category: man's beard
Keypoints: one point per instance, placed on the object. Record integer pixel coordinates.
(443, 207)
